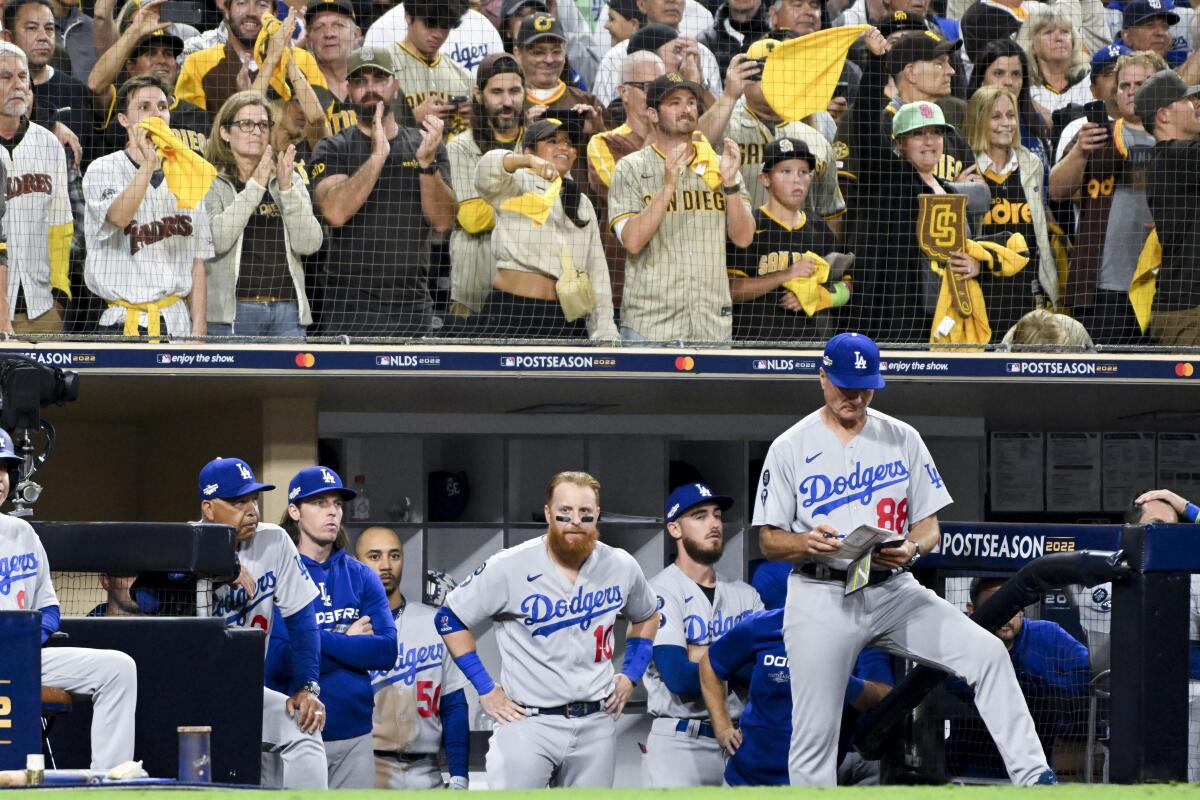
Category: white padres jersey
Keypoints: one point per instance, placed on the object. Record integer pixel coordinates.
(151, 258)
(407, 716)
(280, 581)
(37, 199)
(687, 617)
(24, 569)
(1095, 617)
(883, 477)
(555, 638)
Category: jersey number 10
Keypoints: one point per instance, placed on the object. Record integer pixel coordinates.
(604, 643)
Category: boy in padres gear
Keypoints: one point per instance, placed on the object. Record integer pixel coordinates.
(420, 702)
(555, 601)
(272, 579)
(696, 608)
(428, 78)
(673, 204)
(39, 211)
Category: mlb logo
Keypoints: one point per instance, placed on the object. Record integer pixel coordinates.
(164, 358)
(883, 366)
(381, 361)
(508, 361)
(760, 364)
(1012, 367)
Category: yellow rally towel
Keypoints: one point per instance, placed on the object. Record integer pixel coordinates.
(1145, 280)
(476, 216)
(813, 296)
(153, 313)
(706, 163)
(188, 174)
(270, 24)
(533, 205)
(949, 325)
(801, 74)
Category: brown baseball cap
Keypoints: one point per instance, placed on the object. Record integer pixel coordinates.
(663, 85)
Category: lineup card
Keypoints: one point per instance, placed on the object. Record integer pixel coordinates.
(1073, 471)
(1128, 467)
(1016, 471)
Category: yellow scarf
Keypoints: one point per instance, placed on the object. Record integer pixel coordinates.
(270, 24)
(188, 174)
(1145, 280)
(949, 324)
(534, 205)
(706, 163)
(813, 296)
(801, 74)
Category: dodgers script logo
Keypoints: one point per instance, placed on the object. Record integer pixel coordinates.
(234, 604)
(701, 632)
(16, 568)
(579, 610)
(409, 661)
(824, 494)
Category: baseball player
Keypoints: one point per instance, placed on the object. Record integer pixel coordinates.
(357, 633)
(758, 746)
(420, 700)
(108, 676)
(841, 467)
(555, 601)
(696, 608)
(272, 577)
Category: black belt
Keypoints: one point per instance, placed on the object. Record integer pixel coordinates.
(572, 710)
(705, 729)
(824, 572)
(403, 758)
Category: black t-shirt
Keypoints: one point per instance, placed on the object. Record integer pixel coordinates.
(385, 244)
(66, 100)
(263, 268)
(775, 248)
(1173, 193)
(1008, 299)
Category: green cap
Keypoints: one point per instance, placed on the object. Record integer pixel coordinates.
(379, 58)
(914, 116)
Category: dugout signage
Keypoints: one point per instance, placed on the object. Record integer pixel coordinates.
(20, 687)
(1008, 547)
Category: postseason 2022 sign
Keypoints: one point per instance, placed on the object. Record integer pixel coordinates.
(20, 687)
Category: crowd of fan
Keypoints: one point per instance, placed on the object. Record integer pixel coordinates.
(633, 170)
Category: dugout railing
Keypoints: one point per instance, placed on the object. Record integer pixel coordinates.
(1135, 710)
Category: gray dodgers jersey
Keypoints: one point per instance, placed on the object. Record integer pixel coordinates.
(884, 477)
(686, 617)
(25, 583)
(280, 581)
(555, 638)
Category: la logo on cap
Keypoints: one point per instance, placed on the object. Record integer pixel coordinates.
(327, 476)
(245, 472)
(860, 363)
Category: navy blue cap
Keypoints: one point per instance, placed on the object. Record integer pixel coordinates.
(851, 361)
(691, 495)
(312, 481)
(8, 453)
(1140, 11)
(1107, 56)
(229, 477)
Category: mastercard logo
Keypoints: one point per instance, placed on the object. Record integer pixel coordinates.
(1184, 370)
(685, 363)
(305, 360)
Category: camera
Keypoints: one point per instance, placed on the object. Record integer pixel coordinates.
(26, 387)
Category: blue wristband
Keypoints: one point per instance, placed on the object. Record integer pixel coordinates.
(476, 673)
(638, 652)
(1191, 512)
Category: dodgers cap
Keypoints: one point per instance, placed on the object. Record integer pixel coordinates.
(8, 452)
(229, 477)
(851, 361)
(312, 481)
(690, 495)
(1106, 57)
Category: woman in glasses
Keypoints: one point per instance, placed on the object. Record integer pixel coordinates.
(262, 224)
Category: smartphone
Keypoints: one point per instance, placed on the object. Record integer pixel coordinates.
(1097, 115)
(458, 100)
(762, 66)
(888, 545)
(187, 12)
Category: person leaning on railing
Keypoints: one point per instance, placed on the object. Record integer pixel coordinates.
(262, 224)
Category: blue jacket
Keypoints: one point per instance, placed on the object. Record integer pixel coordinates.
(349, 590)
(766, 722)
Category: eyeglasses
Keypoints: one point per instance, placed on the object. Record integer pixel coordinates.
(638, 84)
(250, 125)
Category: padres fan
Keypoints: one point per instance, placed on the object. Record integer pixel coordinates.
(555, 600)
(782, 280)
(39, 220)
(107, 676)
(431, 82)
(420, 701)
(672, 205)
(840, 467)
(272, 578)
(145, 253)
(541, 50)
(333, 33)
(696, 609)
(356, 629)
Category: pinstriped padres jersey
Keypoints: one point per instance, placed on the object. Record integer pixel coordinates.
(444, 78)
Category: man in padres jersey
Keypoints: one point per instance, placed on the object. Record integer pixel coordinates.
(38, 212)
(429, 80)
(420, 703)
(333, 33)
(672, 205)
(554, 600)
(696, 608)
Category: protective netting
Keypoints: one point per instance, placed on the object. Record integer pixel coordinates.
(770, 174)
(96, 594)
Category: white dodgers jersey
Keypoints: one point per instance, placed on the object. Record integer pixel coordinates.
(408, 696)
(24, 569)
(686, 617)
(555, 638)
(883, 477)
(280, 581)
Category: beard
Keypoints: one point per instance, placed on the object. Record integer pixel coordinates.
(494, 122)
(247, 40)
(701, 554)
(365, 108)
(571, 552)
